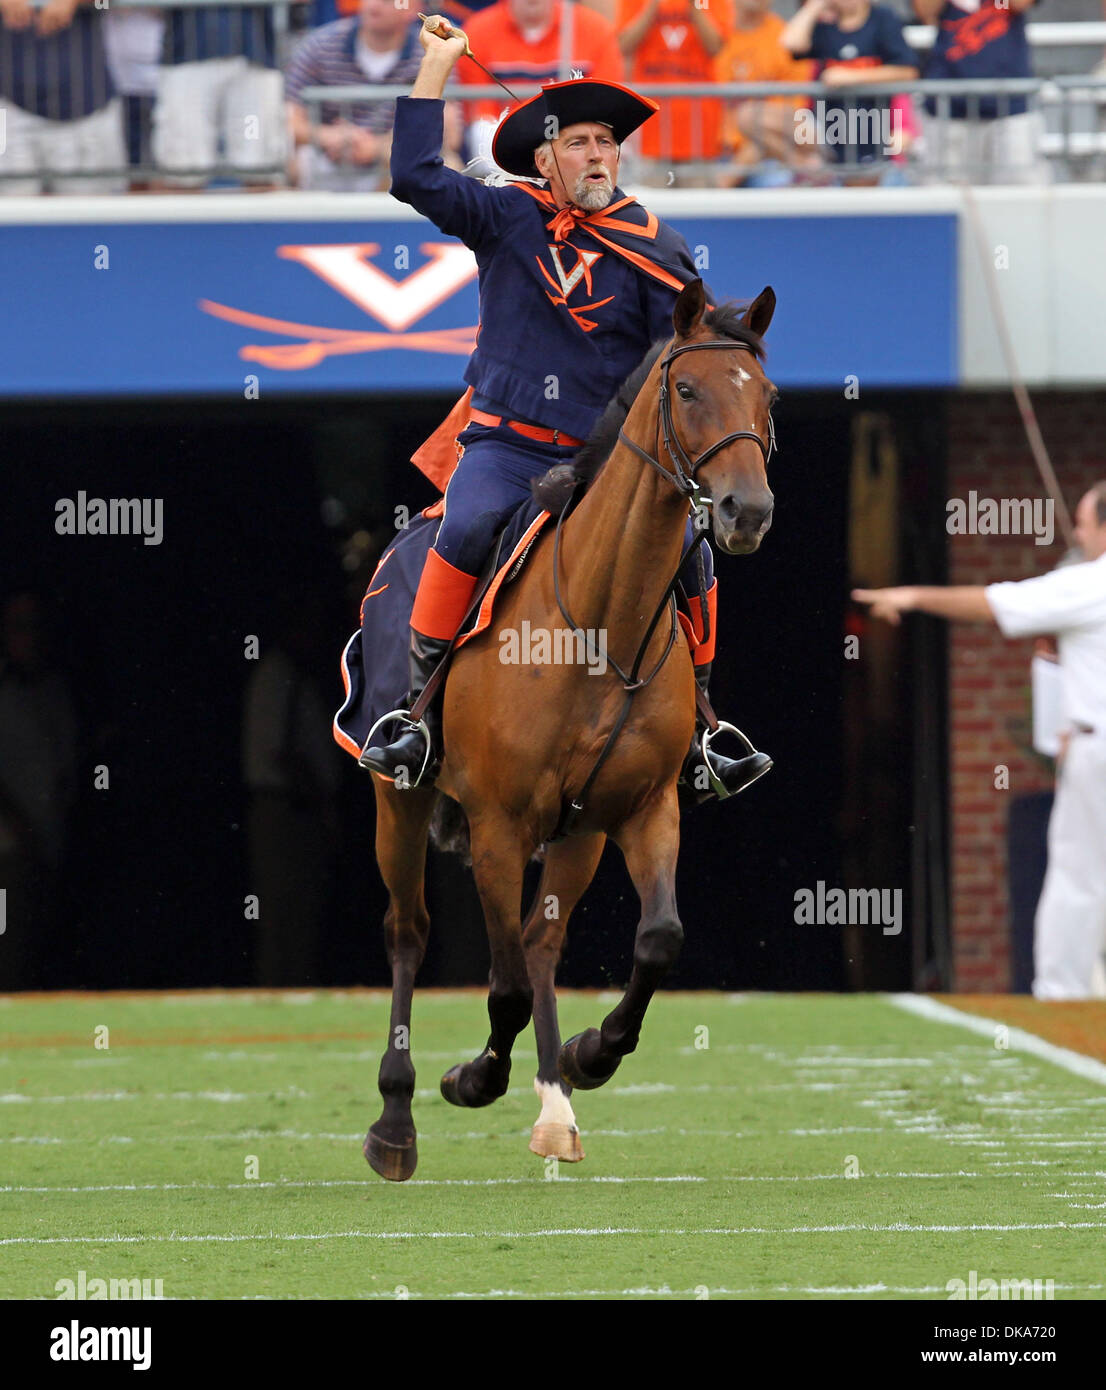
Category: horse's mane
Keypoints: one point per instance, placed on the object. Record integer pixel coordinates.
(553, 489)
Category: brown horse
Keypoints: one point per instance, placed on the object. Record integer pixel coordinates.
(520, 740)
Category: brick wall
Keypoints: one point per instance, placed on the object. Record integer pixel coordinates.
(988, 675)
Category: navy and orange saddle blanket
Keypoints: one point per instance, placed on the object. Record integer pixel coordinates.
(374, 662)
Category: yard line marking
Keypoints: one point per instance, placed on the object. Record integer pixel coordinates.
(503, 1182)
(291, 1093)
(1087, 1067)
(642, 1088)
(374, 1182)
(892, 1228)
(664, 1291)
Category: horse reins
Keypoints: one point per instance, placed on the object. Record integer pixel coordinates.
(685, 483)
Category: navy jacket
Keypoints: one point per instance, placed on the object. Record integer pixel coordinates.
(561, 325)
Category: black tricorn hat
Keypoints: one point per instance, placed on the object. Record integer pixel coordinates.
(522, 130)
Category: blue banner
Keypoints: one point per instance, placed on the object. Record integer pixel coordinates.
(251, 308)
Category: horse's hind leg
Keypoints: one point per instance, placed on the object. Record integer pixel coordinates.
(650, 842)
(402, 821)
(498, 860)
(569, 867)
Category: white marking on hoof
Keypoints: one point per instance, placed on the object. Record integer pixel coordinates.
(556, 1108)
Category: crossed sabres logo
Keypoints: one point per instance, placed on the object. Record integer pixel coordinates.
(398, 304)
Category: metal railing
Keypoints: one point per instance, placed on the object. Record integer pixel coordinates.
(1064, 139)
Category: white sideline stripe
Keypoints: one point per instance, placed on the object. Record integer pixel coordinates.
(1087, 1067)
(665, 1291)
(526, 1182)
(892, 1228)
(293, 1093)
(643, 1088)
(374, 1182)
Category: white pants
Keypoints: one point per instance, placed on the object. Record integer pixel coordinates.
(1003, 151)
(46, 151)
(317, 171)
(1070, 929)
(196, 102)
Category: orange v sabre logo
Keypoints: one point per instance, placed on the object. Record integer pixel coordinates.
(397, 304)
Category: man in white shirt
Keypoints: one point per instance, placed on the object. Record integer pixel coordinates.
(1070, 930)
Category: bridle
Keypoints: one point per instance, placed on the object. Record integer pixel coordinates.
(684, 469)
(683, 479)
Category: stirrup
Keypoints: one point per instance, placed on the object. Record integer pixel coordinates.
(401, 716)
(720, 788)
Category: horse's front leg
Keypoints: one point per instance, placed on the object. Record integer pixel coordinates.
(402, 819)
(569, 867)
(498, 860)
(650, 842)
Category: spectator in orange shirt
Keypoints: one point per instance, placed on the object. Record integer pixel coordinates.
(521, 42)
(756, 131)
(675, 41)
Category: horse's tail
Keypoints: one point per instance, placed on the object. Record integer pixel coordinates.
(449, 829)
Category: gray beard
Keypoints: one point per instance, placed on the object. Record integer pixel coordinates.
(591, 197)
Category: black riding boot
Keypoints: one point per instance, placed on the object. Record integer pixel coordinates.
(409, 749)
(735, 774)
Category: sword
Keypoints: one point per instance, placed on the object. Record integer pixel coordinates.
(435, 24)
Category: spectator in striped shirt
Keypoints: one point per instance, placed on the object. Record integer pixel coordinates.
(63, 115)
(347, 145)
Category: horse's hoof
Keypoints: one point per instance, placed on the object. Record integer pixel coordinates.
(451, 1085)
(557, 1141)
(396, 1162)
(569, 1063)
(457, 1093)
(459, 1087)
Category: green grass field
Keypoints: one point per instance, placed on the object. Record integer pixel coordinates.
(717, 1170)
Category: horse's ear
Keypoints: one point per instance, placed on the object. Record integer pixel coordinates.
(690, 305)
(759, 314)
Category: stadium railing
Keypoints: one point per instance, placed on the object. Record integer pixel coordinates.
(1068, 112)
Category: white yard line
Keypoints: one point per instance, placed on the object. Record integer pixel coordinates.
(1017, 1038)
(514, 1182)
(705, 1292)
(891, 1228)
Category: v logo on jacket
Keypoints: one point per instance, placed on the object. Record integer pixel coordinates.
(580, 272)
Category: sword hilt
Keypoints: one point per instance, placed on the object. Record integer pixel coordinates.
(440, 27)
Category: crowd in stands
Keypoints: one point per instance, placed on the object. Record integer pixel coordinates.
(97, 100)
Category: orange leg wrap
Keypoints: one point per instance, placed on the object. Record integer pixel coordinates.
(444, 595)
(702, 652)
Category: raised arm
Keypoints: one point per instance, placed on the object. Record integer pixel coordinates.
(629, 38)
(798, 32)
(709, 35)
(459, 206)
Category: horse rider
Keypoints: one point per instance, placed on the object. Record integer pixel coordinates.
(566, 314)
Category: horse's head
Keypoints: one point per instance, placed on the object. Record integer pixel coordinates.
(723, 398)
